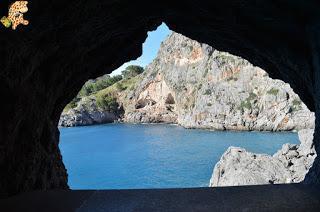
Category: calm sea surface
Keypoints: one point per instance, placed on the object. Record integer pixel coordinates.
(114, 156)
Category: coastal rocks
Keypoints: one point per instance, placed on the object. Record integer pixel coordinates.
(288, 165)
(86, 113)
(239, 167)
(150, 117)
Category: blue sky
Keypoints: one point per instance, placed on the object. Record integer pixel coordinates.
(150, 48)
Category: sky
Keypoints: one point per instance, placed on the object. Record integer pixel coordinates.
(150, 48)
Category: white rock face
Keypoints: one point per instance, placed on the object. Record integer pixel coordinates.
(288, 165)
(213, 90)
(155, 104)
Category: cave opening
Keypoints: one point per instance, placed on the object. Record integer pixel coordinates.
(192, 85)
(42, 69)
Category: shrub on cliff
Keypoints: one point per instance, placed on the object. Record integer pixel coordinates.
(273, 91)
(107, 102)
(100, 83)
(132, 71)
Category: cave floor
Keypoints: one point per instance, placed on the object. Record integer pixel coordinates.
(293, 197)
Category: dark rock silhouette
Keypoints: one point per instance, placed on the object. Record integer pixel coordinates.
(43, 65)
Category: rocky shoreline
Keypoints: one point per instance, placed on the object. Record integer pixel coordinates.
(86, 113)
(289, 165)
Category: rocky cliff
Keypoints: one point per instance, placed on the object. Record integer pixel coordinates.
(196, 86)
(87, 113)
(289, 165)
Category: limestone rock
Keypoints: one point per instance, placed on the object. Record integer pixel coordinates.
(213, 90)
(290, 164)
(86, 113)
(239, 167)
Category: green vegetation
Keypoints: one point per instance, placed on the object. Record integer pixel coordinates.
(252, 96)
(105, 87)
(273, 91)
(92, 86)
(296, 104)
(132, 71)
(207, 92)
(127, 83)
(205, 72)
(245, 104)
(107, 102)
(120, 86)
(72, 104)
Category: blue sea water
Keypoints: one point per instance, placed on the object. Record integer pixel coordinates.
(126, 156)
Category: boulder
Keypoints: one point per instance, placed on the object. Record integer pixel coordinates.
(289, 165)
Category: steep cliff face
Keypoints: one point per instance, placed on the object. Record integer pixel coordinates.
(196, 86)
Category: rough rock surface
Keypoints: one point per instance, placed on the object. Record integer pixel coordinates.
(288, 165)
(86, 113)
(44, 64)
(197, 86)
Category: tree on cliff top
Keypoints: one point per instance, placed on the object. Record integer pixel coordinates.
(132, 71)
(98, 84)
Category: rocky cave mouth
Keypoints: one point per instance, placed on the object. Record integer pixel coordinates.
(42, 79)
(169, 87)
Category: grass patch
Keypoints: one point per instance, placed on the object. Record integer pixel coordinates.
(296, 105)
(205, 72)
(273, 91)
(252, 96)
(245, 104)
(296, 102)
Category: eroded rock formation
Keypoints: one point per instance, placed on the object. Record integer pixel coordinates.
(200, 87)
(288, 165)
(44, 65)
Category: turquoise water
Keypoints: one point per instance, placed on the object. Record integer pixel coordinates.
(114, 156)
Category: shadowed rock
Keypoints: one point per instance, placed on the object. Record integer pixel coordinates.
(44, 65)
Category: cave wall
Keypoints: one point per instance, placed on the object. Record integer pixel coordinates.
(44, 65)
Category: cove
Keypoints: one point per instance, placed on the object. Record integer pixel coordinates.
(127, 156)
